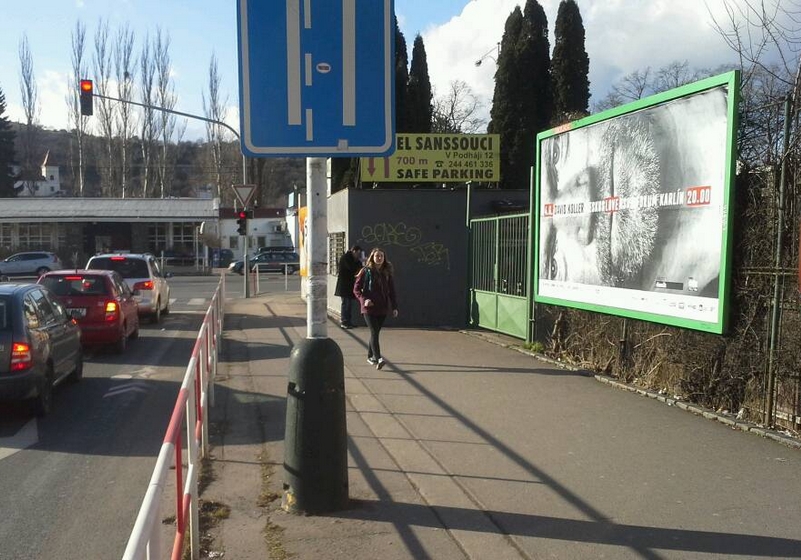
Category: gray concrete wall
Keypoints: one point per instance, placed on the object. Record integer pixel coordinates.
(424, 235)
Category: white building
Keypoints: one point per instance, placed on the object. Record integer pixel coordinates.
(48, 184)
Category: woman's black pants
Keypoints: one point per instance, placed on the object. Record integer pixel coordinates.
(374, 322)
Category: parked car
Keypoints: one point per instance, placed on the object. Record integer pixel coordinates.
(30, 263)
(269, 261)
(144, 277)
(221, 257)
(100, 301)
(275, 250)
(40, 345)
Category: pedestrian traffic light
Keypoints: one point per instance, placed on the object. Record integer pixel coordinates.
(87, 92)
(242, 222)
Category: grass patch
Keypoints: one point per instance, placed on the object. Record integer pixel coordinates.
(535, 347)
(273, 534)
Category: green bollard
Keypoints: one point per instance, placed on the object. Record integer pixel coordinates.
(315, 441)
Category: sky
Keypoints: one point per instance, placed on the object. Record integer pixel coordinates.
(621, 36)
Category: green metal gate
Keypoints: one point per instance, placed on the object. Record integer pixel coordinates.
(499, 272)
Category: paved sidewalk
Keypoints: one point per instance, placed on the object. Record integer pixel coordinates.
(463, 448)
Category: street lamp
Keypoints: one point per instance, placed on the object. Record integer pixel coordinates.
(496, 49)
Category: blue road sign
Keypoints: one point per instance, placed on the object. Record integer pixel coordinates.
(316, 77)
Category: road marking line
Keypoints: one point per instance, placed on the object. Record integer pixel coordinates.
(26, 436)
(349, 62)
(293, 61)
(135, 386)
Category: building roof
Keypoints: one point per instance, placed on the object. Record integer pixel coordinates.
(63, 209)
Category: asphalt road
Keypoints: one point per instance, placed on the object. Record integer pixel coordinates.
(71, 484)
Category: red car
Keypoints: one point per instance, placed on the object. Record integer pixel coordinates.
(100, 301)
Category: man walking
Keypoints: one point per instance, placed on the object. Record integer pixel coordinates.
(349, 265)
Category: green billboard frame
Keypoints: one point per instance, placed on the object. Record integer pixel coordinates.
(729, 80)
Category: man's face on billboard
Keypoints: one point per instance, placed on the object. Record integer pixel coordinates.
(584, 238)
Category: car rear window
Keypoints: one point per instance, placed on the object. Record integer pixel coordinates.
(128, 268)
(5, 313)
(77, 285)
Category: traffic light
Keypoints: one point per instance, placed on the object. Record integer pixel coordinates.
(242, 222)
(87, 91)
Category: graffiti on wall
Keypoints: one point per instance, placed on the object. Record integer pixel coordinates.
(429, 253)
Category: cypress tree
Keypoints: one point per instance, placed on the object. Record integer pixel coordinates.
(504, 115)
(401, 80)
(6, 152)
(570, 66)
(523, 102)
(419, 110)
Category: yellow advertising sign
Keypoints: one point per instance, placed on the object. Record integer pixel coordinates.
(437, 158)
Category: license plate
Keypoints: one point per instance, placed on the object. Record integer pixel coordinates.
(77, 311)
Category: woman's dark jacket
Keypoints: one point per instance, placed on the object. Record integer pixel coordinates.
(347, 269)
(380, 288)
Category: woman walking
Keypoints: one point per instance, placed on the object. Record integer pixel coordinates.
(375, 290)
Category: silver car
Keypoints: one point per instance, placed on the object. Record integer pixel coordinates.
(30, 263)
(143, 275)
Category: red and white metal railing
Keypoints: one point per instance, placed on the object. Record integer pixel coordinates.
(191, 411)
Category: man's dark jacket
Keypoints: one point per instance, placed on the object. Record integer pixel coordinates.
(347, 269)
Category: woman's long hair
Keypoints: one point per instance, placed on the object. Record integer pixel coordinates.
(386, 269)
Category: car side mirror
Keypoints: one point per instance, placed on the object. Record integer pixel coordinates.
(168, 275)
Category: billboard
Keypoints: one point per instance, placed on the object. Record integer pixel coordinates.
(437, 158)
(632, 208)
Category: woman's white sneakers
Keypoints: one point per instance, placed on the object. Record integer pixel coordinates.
(379, 363)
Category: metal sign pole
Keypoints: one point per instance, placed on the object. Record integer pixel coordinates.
(317, 203)
(246, 264)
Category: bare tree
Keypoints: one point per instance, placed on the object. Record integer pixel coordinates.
(641, 83)
(149, 128)
(78, 47)
(30, 105)
(106, 108)
(214, 109)
(765, 35)
(676, 74)
(165, 98)
(124, 71)
(458, 110)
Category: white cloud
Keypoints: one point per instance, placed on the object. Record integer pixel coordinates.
(51, 98)
(621, 36)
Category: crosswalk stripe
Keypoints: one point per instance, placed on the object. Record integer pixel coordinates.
(197, 301)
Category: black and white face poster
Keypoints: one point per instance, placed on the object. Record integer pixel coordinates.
(632, 209)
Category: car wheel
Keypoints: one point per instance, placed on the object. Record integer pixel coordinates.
(122, 343)
(135, 333)
(77, 373)
(43, 402)
(42, 270)
(167, 308)
(156, 317)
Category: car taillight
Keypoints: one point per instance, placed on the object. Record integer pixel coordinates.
(146, 285)
(20, 356)
(111, 310)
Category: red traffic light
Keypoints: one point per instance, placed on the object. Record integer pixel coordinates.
(243, 215)
(86, 98)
